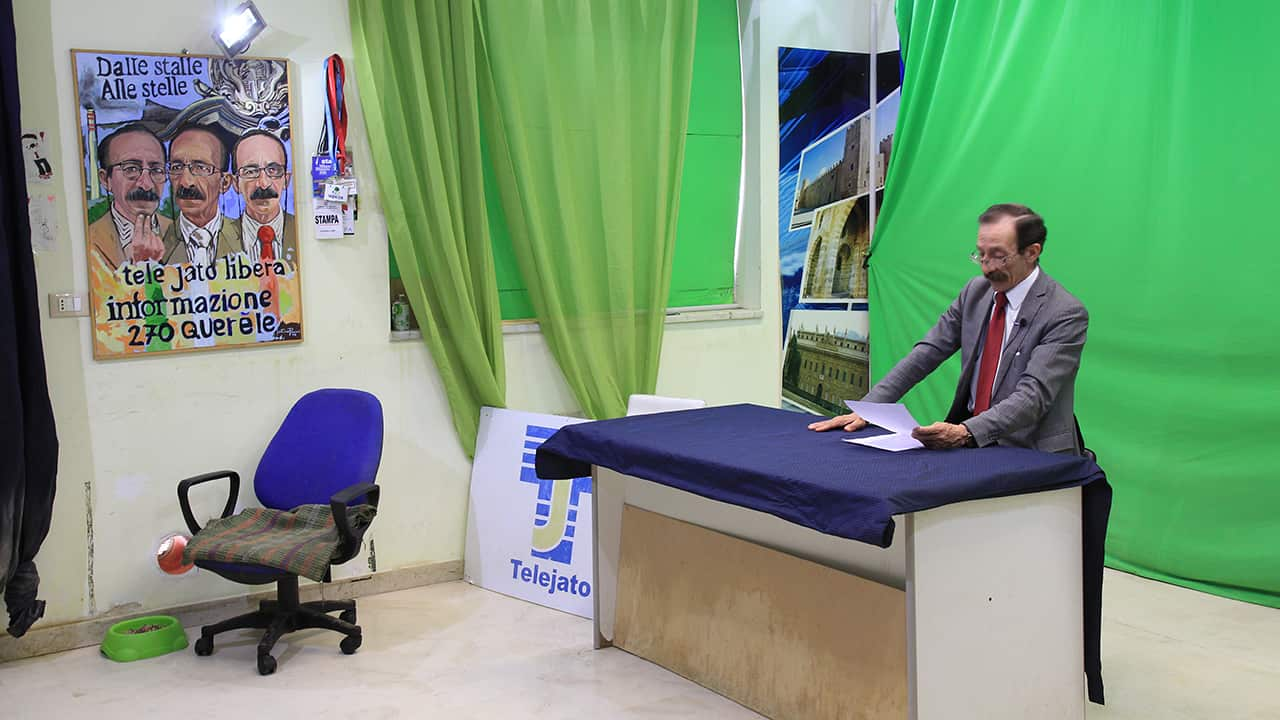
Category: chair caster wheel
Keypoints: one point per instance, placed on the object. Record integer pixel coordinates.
(348, 616)
(349, 644)
(266, 664)
(204, 646)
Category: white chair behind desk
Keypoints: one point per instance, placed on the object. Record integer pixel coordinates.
(647, 404)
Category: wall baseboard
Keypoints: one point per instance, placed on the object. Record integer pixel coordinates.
(90, 631)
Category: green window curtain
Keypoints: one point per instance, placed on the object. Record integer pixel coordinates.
(586, 106)
(416, 68)
(702, 268)
(1144, 132)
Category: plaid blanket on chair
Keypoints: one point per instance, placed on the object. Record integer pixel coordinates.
(301, 541)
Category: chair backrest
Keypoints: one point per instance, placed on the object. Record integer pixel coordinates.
(330, 440)
(646, 404)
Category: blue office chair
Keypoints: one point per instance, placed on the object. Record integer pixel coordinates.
(326, 452)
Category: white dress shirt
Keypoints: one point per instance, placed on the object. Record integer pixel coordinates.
(1016, 295)
(201, 240)
(124, 229)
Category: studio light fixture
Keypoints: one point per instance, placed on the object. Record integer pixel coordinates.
(239, 28)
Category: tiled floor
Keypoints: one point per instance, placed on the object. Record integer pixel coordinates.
(1174, 654)
(454, 651)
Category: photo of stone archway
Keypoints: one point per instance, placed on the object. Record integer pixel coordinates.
(839, 240)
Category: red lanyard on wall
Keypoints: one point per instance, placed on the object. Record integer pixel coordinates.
(336, 108)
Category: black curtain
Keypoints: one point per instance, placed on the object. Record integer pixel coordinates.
(28, 441)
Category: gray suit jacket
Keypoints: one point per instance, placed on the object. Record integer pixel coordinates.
(1033, 403)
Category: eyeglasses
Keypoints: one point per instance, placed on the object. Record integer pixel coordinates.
(197, 168)
(997, 260)
(275, 171)
(134, 170)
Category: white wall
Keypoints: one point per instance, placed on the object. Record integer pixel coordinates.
(131, 429)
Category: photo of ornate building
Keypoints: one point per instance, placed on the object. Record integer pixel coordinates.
(824, 365)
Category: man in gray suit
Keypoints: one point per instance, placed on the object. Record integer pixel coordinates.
(198, 162)
(1019, 391)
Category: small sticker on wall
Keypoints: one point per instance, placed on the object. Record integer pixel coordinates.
(34, 157)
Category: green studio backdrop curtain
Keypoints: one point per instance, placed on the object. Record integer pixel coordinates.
(586, 104)
(1145, 133)
(416, 64)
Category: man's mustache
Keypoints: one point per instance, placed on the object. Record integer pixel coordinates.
(996, 276)
(142, 195)
(264, 193)
(190, 192)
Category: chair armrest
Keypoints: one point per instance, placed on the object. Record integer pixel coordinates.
(338, 506)
(185, 486)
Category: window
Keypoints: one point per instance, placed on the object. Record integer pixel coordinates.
(702, 270)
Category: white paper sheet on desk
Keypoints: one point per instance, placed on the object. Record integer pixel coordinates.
(894, 417)
(893, 442)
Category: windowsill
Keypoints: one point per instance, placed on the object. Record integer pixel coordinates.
(713, 314)
(674, 316)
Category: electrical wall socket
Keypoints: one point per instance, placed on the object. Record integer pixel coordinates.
(68, 305)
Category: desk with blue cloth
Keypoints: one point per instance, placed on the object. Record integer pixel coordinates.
(807, 577)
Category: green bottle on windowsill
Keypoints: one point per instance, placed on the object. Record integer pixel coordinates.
(400, 313)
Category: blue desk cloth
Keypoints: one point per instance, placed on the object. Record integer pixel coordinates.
(768, 460)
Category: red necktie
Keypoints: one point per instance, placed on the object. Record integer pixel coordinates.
(267, 238)
(990, 356)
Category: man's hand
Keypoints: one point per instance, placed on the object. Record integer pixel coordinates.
(849, 423)
(146, 243)
(940, 435)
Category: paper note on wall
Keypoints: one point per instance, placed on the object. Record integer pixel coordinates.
(350, 210)
(44, 223)
(328, 221)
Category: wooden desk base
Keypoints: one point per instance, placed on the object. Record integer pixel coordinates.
(784, 636)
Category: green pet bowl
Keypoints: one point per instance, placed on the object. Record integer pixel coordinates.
(144, 637)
